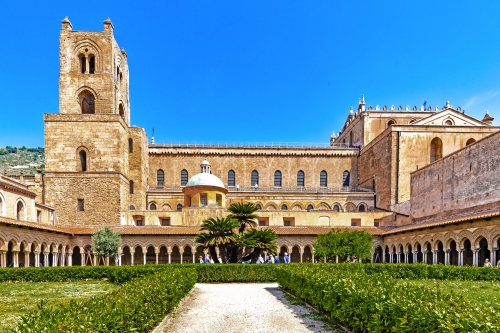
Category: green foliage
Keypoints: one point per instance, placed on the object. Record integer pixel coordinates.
(11, 156)
(236, 273)
(219, 231)
(244, 213)
(378, 303)
(344, 244)
(264, 239)
(137, 306)
(105, 242)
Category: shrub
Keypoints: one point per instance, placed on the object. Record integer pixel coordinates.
(137, 306)
(236, 273)
(378, 303)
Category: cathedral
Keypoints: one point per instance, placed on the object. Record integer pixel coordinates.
(424, 181)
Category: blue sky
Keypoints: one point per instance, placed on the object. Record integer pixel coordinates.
(258, 71)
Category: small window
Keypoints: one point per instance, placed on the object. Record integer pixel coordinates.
(81, 205)
(87, 102)
(92, 65)
(309, 208)
(323, 179)
(184, 177)
(132, 207)
(83, 63)
(391, 122)
(152, 206)
(160, 177)
(39, 216)
(376, 224)
(336, 208)
(83, 160)
(121, 111)
(284, 207)
(262, 223)
(300, 178)
(179, 208)
(448, 122)
(138, 223)
(130, 145)
(354, 224)
(287, 223)
(346, 179)
(231, 179)
(20, 211)
(255, 178)
(131, 184)
(203, 200)
(277, 178)
(259, 207)
(165, 222)
(362, 208)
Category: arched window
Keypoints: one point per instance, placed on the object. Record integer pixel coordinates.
(448, 122)
(277, 178)
(131, 184)
(130, 145)
(412, 121)
(132, 207)
(179, 208)
(184, 177)
(121, 111)
(82, 155)
(346, 179)
(231, 178)
(323, 179)
(83, 64)
(152, 206)
(470, 141)
(310, 207)
(362, 208)
(91, 64)
(20, 210)
(87, 99)
(391, 122)
(436, 151)
(300, 178)
(336, 208)
(160, 178)
(284, 207)
(259, 207)
(255, 178)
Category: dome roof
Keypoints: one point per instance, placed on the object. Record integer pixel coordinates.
(205, 179)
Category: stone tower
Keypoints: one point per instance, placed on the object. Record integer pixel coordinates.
(95, 163)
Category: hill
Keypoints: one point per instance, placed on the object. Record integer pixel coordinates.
(15, 159)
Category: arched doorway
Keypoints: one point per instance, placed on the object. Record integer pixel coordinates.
(428, 258)
(468, 259)
(187, 256)
(176, 255)
(126, 256)
(440, 253)
(410, 255)
(420, 256)
(453, 253)
(163, 255)
(436, 149)
(21, 259)
(307, 255)
(150, 255)
(138, 256)
(401, 254)
(10, 254)
(32, 256)
(484, 252)
(281, 255)
(295, 255)
(387, 255)
(76, 256)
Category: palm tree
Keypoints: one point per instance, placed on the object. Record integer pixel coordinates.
(260, 240)
(218, 232)
(244, 213)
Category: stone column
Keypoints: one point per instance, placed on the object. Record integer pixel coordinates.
(383, 257)
(424, 257)
(119, 260)
(447, 257)
(434, 257)
(132, 258)
(406, 257)
(475, 261)
(3, 261)
(460, 257)
(194, 257)
(70, 259)
(415, 257)
(144, 256)
(83, 259)
(336, 259)
(169, 250)
(46, 259)
(156, 254)
(493, 255)
(301, 251)
(182, 254)
(312, 258)
(37, 259)
(15, 258)
(398, 259)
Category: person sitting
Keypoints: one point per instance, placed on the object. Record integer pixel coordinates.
(487, 263)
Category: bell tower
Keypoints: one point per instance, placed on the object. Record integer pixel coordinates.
(94, 160)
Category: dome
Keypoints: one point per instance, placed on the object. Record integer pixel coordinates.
(205, 179)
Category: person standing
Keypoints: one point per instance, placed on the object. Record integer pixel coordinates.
(277, 260)
(487, 263)
(286, 258)
(260, 260)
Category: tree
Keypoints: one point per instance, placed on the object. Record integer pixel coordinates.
(343, 243)
(244, 213)
(105, 243)
(218, 232)
(260, 240)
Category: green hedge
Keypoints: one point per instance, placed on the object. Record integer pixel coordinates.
(137, 306)
(378, 303)
(236, 273)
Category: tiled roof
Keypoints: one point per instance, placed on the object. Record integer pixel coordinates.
(445, 221)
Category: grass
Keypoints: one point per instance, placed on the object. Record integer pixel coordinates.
(16, 299)
(483, 292)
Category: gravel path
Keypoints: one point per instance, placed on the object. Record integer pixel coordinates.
(239, 307)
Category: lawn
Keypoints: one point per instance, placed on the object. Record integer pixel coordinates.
(16, 299)
(483, 292)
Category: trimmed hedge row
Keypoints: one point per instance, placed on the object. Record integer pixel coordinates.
(378, 303)
(137, 306)
(236, 273)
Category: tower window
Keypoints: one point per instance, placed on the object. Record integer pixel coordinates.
(152, 206)
(203, 200)
(277, 178)
(160, 177)
(336, 208)
(39, 216)
(131, 187)
(20, 211)
(83, 160)
(231, 178)
(346, 179)
(309, 208)
(130, 145)
(121, 111)
(83, 64)
(300, 178)
(184, 177)
(255, 178)
(284, 207)
(323, 179)
(92, 65)
(179, 207)
(81, 205)
(87, 100)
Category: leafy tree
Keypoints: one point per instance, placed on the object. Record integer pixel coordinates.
(343, 243)
(260, 240)
(105, 243)
(219, 232)
(244, 213)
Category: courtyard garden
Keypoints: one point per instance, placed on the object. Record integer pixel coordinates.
(359, 297)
